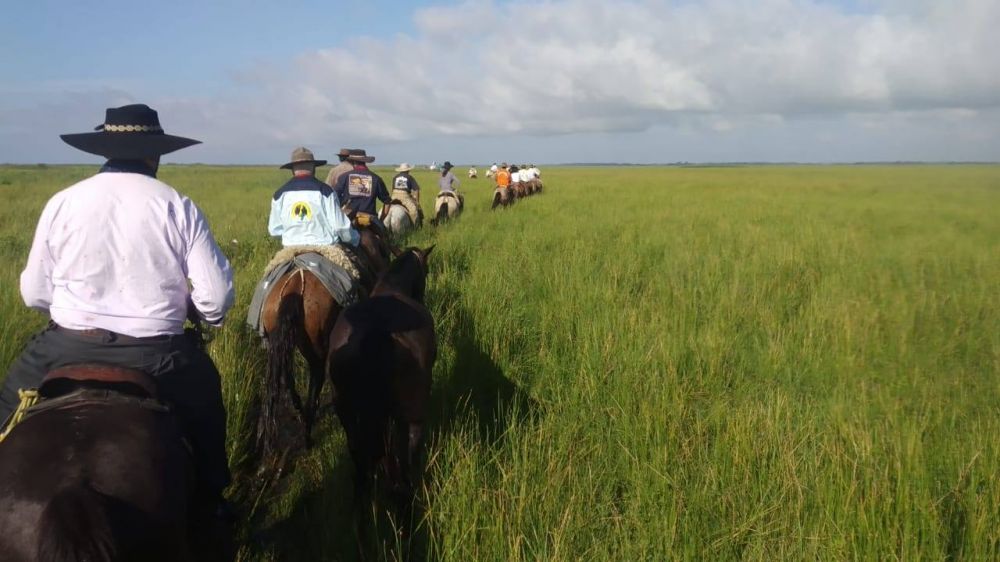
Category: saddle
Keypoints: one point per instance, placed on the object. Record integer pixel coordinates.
(76, 385)
(64, 380)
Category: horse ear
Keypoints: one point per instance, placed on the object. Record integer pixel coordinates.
(427, 252)
(395, 251)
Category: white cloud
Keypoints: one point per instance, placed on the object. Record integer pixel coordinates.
(584, 65)
(569, 67)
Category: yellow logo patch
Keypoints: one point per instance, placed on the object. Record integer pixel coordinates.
(302, 211)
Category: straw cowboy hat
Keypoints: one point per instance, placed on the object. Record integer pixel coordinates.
(129, 132)
(359, 155)
(404, 167)
(303, 155)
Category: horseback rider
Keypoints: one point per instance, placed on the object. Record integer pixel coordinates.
(503, 176)
(448, 183)
(305, 211)
(515, 176)
(358, 189)
(406, 189)
(340, 169)
(111, 263)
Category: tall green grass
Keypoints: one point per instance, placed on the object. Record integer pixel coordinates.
(658, 363)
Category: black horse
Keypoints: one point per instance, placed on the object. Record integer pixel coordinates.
(381, 354)
(100, 473)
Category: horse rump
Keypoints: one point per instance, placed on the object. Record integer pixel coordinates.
(397, 219)
(442, 214)
(76, 526)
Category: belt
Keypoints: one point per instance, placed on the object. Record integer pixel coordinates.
(108, 334)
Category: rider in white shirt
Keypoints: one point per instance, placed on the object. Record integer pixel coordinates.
(119, 261)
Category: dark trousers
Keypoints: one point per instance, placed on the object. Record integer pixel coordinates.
(185, 375)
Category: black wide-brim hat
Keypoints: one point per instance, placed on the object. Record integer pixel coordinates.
(359, 155)
(129, 132)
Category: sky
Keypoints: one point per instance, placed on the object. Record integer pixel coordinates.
(546, 81)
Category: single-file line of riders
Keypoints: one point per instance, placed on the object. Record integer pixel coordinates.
(513, 183)
(115, 427)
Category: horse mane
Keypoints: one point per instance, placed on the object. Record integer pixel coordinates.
(406, 275)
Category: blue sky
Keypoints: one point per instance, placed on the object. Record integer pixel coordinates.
(542, 80)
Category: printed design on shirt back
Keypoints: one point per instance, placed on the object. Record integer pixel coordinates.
(302, 211)
(401, 183)
(359, 185)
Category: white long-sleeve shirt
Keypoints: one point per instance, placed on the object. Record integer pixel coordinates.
(117, 250)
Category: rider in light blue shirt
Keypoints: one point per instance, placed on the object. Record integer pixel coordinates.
(305, 211)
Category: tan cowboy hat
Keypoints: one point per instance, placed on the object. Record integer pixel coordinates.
(404, 167)
(359, 155)
(303, 155)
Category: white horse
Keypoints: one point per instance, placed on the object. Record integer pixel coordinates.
(396, 219)
(448, 205)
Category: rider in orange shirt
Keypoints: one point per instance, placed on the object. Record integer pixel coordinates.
(503, 177)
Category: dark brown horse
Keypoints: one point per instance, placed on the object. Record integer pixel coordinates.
(381, 354)
(299, 314)
(102, 474)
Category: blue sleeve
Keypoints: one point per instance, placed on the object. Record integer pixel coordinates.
(380, 190)
(341, 188)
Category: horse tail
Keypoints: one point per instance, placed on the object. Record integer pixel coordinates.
(442, 214)
(496, 200)
(76, 526)
(280, 369)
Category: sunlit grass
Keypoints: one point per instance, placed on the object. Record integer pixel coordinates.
(651, 364)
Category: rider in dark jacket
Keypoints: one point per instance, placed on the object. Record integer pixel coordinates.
(358, 189)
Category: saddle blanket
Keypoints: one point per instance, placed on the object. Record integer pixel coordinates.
(406, 198)
(330, 264)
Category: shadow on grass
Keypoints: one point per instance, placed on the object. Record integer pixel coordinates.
(477, 387)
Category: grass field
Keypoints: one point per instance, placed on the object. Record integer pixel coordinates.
(762, 363)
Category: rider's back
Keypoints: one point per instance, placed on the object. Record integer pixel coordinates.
(118, 247)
